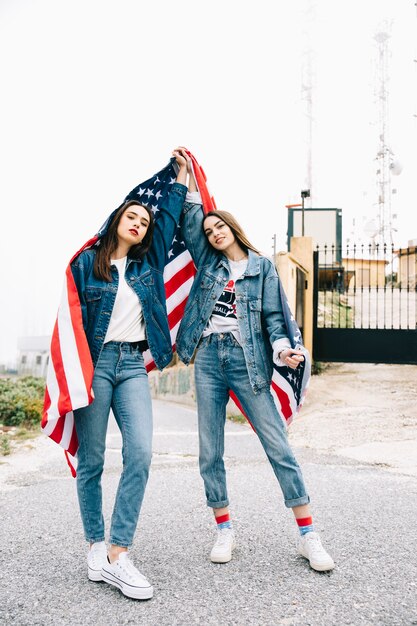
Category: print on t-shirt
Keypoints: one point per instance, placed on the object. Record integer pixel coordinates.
(226, 304)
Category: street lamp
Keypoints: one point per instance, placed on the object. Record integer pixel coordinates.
(305, 193)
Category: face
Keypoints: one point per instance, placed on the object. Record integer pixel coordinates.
(218, 233)
(133, 225)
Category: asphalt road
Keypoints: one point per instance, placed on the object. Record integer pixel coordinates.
(365, 515)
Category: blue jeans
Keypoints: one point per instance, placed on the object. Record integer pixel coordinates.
(220, 366)
(120, 383)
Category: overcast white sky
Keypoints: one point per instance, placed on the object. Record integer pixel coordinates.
(96, 94)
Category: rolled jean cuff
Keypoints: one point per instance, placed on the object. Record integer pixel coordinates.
(95, 539)
(297, 502)
(218, 505)
(119, 544)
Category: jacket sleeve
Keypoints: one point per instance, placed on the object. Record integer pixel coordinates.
(165, 226)
(192, 233)
(272, 314)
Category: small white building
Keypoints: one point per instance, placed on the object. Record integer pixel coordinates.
(33, 355)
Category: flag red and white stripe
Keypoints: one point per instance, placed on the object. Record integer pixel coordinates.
(70, 369)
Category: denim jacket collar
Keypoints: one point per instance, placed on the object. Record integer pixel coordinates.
(253, 267)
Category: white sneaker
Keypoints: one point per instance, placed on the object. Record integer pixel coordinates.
(96, 558)
(225, 544)
(309, 546)
(124, 575)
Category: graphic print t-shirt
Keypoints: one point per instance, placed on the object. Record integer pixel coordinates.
(224, 318)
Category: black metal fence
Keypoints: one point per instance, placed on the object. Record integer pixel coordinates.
(372, 287)
(365, 288)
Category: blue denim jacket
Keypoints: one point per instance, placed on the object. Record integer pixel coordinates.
(97, 296)
(258, 303)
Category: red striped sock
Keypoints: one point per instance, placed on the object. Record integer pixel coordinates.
(223, 521)
(305, 524)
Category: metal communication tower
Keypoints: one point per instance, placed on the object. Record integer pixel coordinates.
(384, 158)
(307, 83)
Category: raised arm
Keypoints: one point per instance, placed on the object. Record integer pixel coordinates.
(192, 223)
(169, 216)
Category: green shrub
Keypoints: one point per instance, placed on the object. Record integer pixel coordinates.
(4, 445)
(21, 401)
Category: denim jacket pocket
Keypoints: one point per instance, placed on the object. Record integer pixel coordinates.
(93, 293)
(147, 279)
(207, 281)
(204, 291)
(93, 296)
(145, 288)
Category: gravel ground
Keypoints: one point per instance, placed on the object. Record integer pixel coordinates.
(363, 411)
(358, 507)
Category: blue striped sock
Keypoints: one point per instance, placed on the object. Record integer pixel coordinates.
(224, 525)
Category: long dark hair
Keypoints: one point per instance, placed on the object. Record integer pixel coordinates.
(235, 227)
(109, 243)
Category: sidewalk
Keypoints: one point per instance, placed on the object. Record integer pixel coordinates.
(358, 507)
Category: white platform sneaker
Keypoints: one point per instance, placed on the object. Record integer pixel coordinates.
(126, 577)
(309, 546)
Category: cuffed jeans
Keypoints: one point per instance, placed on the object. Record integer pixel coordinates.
(219, 367)
(120, 383)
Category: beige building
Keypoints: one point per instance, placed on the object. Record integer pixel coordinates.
(364, 273)
(407, 265)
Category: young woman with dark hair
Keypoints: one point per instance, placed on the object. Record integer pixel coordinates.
(121, 291)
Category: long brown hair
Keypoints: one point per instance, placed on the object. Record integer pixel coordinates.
(109, 243)
(235, 227)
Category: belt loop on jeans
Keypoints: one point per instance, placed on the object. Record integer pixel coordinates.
(140, 345)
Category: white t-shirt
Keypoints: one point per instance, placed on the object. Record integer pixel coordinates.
(224, 318)
(126, 322)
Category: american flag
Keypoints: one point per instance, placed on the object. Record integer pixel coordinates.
(289, 386)
(70, 368)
